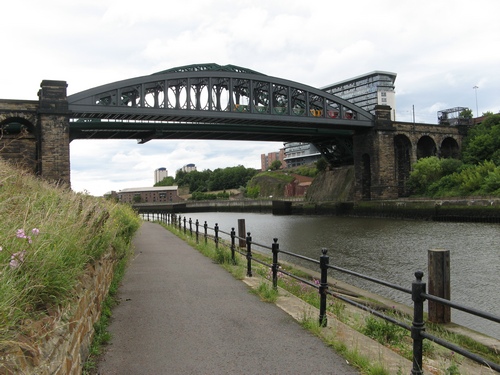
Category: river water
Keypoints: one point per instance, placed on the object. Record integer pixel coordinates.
(388, 249)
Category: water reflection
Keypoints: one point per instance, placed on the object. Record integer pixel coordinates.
(391, 250)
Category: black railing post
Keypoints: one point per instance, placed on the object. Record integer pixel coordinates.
(233, 244)
(216, 239)
(190, 227)
(275, 248)
(249, 254)
(185, 224)
(197, 224)
(205, 226)
(324, 260)
(180, 222)
(417, 288)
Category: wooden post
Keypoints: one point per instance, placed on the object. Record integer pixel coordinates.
(242, 233)
(439, 284)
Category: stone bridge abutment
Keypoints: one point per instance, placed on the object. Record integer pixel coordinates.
(34, 135)
(383, 155)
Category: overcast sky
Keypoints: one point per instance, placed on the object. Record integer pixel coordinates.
(440, 50)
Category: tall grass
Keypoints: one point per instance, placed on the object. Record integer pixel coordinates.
(48, 235)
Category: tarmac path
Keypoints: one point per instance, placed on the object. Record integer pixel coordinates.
(180, 313)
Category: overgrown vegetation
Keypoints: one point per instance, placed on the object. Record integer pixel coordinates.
(476, 174)
(48, 236)
(207, 180)
(248, 180)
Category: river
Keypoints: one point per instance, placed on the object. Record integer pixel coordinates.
(390, 250)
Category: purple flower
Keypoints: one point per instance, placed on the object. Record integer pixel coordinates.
(17, 258)
(35, 231)
(20, 233)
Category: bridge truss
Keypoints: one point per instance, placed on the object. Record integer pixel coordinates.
(210, 101)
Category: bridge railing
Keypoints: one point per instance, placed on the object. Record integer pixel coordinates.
(417, 291)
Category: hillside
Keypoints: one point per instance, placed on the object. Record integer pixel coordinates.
(334, 185)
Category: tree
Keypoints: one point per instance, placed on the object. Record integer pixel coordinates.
(167, 181)
(275, 165)
(483, 142)
(466, 114)
(321, 164)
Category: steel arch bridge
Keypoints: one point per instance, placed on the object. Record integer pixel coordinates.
(210, 101)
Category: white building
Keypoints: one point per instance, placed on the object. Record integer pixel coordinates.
(367, 90)
(189, 168)
(160, 174)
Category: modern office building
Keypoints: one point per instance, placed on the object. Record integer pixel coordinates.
(367, 90)
(160, 174)
(300, 153)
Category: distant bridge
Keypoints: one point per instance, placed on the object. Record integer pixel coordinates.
(209, 101)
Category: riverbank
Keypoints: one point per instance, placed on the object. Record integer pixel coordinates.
(483, 210)
(457, 210)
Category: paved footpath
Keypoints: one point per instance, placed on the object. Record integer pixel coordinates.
(180, 313)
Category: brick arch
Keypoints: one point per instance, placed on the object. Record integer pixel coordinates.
(18, 140)
(402, 162)
(426, 146)
(450, 148)
(15, 124)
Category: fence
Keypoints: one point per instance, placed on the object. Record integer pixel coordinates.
(417, 291)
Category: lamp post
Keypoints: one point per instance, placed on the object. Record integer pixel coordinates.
(477, 110)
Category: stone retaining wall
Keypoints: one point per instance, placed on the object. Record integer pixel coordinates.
(59, 344)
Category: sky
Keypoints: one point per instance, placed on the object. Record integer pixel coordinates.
(440, 51)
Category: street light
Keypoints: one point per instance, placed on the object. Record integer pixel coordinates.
(477, 110)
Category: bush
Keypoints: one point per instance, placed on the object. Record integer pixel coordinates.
(425, 172)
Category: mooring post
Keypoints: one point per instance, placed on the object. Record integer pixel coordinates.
(324, 260)
(216, 239)
(249, 254)
(275, 248)
(241, 232)
(233, 245)
(439, 284)
(418, 324)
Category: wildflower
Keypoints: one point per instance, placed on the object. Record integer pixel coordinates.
(17, 259)
(35, 231)
(20, 233)
(1, 248)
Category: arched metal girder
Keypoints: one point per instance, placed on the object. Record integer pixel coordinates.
(209, 101)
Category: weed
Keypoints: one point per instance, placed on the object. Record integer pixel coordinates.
(266, 292)
(383, 331)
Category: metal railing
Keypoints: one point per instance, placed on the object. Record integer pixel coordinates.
(417, 291)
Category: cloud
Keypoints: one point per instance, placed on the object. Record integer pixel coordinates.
(440, 52)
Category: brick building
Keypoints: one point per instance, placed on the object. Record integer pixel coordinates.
(157, 194)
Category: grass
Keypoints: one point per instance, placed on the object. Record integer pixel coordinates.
(396, 338)
(48, 236)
